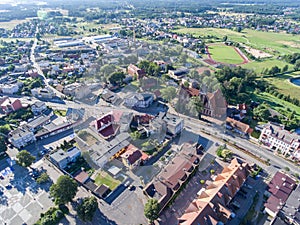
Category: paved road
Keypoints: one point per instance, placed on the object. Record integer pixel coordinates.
(38, 68)
(197, 127)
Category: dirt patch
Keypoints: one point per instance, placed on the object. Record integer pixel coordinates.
(290, 44)
(257, 53)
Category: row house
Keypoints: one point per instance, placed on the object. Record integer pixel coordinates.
(169, 181)
(276, 138)
(211, 204)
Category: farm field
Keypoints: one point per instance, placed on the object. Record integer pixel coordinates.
(224, 54)
(273, 43)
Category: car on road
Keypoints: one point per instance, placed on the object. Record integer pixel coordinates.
(127, 183)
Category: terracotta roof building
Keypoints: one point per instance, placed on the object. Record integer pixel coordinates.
(135, 71)
(210, 207)
(171, 178)
(132, 157)
(238, 127)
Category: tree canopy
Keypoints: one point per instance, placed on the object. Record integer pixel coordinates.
(64, 190)
(168, 93)
(116, 78)
(151, 210)
(24, 158)
(87, 208)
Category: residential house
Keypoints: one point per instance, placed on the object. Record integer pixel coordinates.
(169, 181)
(38, 122)
(135, 71)
(278, 191)
(9, 88)
(82, 177)
(132, 157)
(108, 150)
(38, 107)
(43, 93)
(238, 127)
(211, 204)
(178, 74)
(21, 137)
(276, 138)
(9, 105)
(175, 124)
(33, 73)
(139, 100)
(77, 90)
(62, 158)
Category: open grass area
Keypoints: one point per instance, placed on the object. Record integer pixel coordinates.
(87, 137)
(259, 66)
(60, 112)
(225, 54)
(11, 24)
(284, 86)
(277, 104)
(273, 43)
(105, 178)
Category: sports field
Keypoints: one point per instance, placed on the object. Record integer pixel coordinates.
(273, 43)
(224, 54)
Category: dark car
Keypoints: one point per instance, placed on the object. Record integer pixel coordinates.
(8, 187)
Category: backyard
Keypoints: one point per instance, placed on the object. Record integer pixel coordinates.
(104, 178)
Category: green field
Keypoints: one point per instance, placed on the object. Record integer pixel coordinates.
(277, 104)
(259, 66)
(284, 86)
(273, 43)
(225, 54)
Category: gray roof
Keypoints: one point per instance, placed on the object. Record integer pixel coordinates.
(38, 104)
(292, 205)
(73, 152)
(104, 151)
(59, 156)
(38, 121)
(280, 133)
(20, 131)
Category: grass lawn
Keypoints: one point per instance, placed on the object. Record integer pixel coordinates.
(225, 54)
(258, 67)
(60, 112)
(273, 43)
(284, 86)
(87, 137)
(11, 24)
(105, 178)
(277, 104)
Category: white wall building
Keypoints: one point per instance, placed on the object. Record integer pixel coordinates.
(277, 138)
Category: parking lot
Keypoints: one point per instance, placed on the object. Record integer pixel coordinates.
(22, 199)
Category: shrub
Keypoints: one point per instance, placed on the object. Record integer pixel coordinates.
(202, 181)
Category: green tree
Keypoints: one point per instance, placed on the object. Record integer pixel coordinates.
(262, 112)
(3, 147)
(168, 93)
(151, 210)
(226, 154)
(285, 68)
(64, 190)
(24, 158)
(116, 78)
(198, 105)
(135, 135)
(43, 178)
(87, 208)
